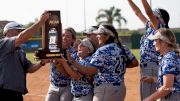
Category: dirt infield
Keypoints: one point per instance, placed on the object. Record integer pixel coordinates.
(38, 84)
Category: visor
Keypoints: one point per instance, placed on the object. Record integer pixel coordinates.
(158, 35)
(90, 30)
(86, 42)
(157, 13)
(102, 30)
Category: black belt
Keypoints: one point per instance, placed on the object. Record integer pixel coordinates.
(79, 95)
(114, 84)
(61, 85)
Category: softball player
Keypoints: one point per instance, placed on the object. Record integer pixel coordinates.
(108, 66)
(109, 59)
(59, 89)
(159, 18)
(81, 84)
(169, 71)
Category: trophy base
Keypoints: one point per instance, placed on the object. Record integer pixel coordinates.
(47, 54)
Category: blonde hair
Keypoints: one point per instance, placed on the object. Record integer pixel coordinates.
(171, 38)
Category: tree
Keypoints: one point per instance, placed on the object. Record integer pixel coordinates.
(31, 23)
(110, 16)
(38, 33)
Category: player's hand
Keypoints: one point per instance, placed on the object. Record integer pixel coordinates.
(69, 58)
(59, 60)
(147, 79)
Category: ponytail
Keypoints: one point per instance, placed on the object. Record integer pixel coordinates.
(166, 25)
(165, 17)
(176, 49)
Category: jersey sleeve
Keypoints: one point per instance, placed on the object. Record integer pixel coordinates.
(169, 67)
(129, 54)
(97, 60)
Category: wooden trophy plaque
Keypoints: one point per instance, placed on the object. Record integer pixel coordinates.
(51, 38)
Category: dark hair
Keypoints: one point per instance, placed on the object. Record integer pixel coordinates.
(112, 39)
(116, 39)
(71, 30)
(165, 16)
(95, 27)
(91, 29)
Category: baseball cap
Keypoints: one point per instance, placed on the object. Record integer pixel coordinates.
(12, 25)
(102, 30)
(86, 42)
(159, 35)
(90, 30)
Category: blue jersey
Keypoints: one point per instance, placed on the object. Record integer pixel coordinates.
(83, 86)
(129, 55)
(147, 49)
(109, 60)
(170, 64)
(56, 77)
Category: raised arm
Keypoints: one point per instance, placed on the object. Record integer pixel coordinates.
(29, 32)
(150, 14)
(137, 12)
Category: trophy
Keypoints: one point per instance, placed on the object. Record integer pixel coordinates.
(51, 38)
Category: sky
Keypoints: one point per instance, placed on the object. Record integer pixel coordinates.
(72, 11)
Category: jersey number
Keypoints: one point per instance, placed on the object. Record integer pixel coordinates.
(117, 69)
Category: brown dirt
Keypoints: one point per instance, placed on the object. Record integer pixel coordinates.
(38, 84)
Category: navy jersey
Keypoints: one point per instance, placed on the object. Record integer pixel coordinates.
(170, 64)
(109, 60)
(147, 49)
(56, 77)
(83, 86)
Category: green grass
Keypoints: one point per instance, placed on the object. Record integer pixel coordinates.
(136, 53)
(30, 56)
